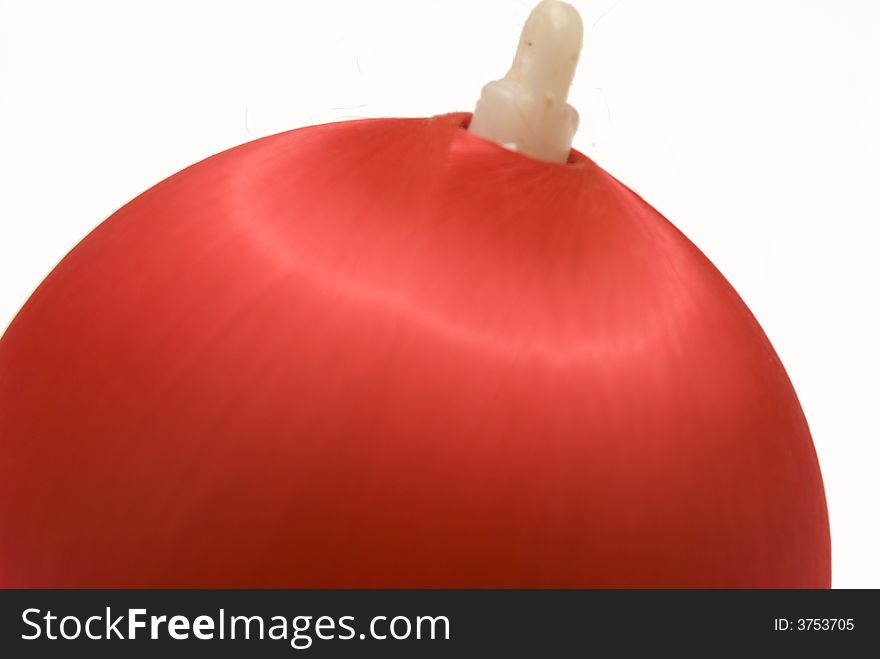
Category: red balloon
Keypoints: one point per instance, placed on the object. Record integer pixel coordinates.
(388, 353)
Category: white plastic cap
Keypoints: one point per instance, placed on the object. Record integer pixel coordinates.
(526, 111)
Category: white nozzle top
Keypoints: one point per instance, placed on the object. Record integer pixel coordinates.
(526, 110)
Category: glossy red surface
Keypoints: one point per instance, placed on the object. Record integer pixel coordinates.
(389, 354)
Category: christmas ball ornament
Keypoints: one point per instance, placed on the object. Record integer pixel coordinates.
(403, 353)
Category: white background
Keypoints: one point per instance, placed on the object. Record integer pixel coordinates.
(753, 125)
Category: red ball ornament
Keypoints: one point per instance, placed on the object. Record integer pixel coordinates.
(391, 353)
